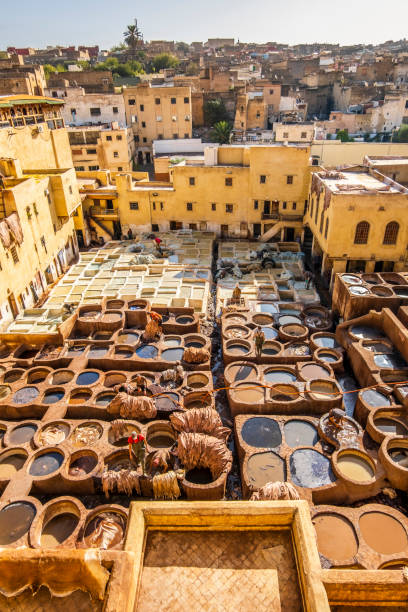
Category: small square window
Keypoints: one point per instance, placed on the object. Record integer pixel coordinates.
(91, 151)
(229, 208)
(289, 179)
(136, 138)
(286, 134)
(118, 137)
(141, 107)
(132, 102)
(256, 204)
(109, 138)
(173, 100)
(213, 206)
(115, 110)
(228, 181)
(154, 205)
(95, 112)
(293, 205)
(157, 100)
(175, 136)
(160, 136)
(262, 178)
(303, 135)
(70, 188)
(143, 124)
(120, 168)
(284, 205)
(186, 136)
(186, 100)
(144, 139)
(161, 206)
(158, 118)
(155, 227)
(191, 180)
(14, 254)
(134, 205)
(115, 154)
(189, 206)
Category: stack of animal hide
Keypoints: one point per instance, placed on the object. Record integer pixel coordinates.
(158, 460)
(165, 486)
(119, 429)
(173, 374)
(125, 388)
(198, 450)
(124, 480)
(200, 420)
(129, 407)
(151, 331)
(195, 355)
(275, 491)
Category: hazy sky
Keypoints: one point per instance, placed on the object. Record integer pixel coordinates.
(37, 23)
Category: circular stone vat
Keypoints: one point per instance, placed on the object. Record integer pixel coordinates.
(87, 434)
(197, 381)
(271, 348)
(46, 463)
(390, 426)
(401, 291)
(261, 432)
(172, 342)
(358, 290)
(167, 402)
(372, 279)
(114, 378)
(79, 396)
(184, 320)
(323, 390)
(241, 372)
(248, 393)
(293, 330)
(97, 352)
(366, 332)
(355, 466)
(279, 375)
(289, 319)
(123, 352)
(4, 391)
(300, 433)
(297, 348)
(10, 463)
(172, 354)
(58, 529)
(36, 376)
(267, 307)
(15, 521)
(87, 378)
(270, 333)
(327, 356)
(199, 475)
(128, 338)
(262, 319)
(383, 533)
(325, 341)
(147, 351)
(62, 377)
(52, 396)
(13, 375)
(120, 439)
(103, 399)
(53, 434)
(236, 331)
(310, 469)
(25, 395)
(114, 304)
(22, 434)
(382, 291)
(235, 318)
(375, 398)
(265, 467)
(82, 464)
(336, 538)
(105, 530)
(284, 393)
(311, 371)
(111, 317)
(350, 279)
(237, 348)
(160, 435)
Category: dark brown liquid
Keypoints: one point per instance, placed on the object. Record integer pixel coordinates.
(15, 521)
(383, 533)
(105, 531)
(160, 441)
(58, 529)
(265, 467)
(83, 465)
(336, 539)
(199, 476)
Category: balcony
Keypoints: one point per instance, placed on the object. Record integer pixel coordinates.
(270, 216)
(104, 213)
(289, 217)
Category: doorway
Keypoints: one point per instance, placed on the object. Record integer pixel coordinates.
(148, 158)
(289, 234)
(224, 231)
(13, 305)
(267, 207)
(257, 230)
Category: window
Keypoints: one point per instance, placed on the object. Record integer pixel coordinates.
(406, 103)
(174, 118)
(155, 227)
(262, 178)
(286, 134)
(73, 111)
(191, 180)
(186, 136)
(115, 154)
(14, 254)
(213, 206)
(175, 136)
(141, 107)
(93, 167)
(256, 204)
(143, 124)
(284, 205)
(289, 179)
(95, 112)
(161, 206)
(154, 205)
(35, 209)
(189, 206)
(229, 208)
(136, 138)
(326, 229)
(144, 139)
(158, 118)
(118, 137)
(70, 188)
(120, 168)
(303, 135)
(132, 102)
(79, 168)
(115, 110)
(173, 100)
(258, 114)
(391, 233)
(157, 100)
(311, 208)
(362, 230)
(109, 138)
(186, 100)
(160, 136)
(91, 151)
(293, 205)
(228, 182)
(271, 91)
(186, 117)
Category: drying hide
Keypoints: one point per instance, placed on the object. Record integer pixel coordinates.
(196, 355)
(197, 450)
(151, 331)
(119, 429)
(175, 374)
(126, 388)
(200, 420)
(125, 480)
(275, 491)
(129, 407)
(159, 460)
(165, 486)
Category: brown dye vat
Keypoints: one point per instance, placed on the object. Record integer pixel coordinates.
(322, 390)
(336, 539)
(53, 434)
(114, 378)
(111, 317)
(390, 426)
(37, 376)
(265, 467)
(241, 372)
(86, 434)
(4, 391)
(297, 349)
(79, 397)
(105, 531)
(115, 304)
(160, 440)
(83, 465)
(249, 393)
(13, 375)
(58, 529)
(355, 467)
(238, 349)
(22, 434)
(313, 370)
(261, 319)
(240, 319)
(399, 455)
(236, 332)
(383, 533)
(284, 393)
(10, 465)
(15, 521)
(90, 314)
(199, 476)
(62, 377)
(196, 381)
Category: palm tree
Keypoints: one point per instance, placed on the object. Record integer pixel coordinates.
(133, 37)
(221, 132)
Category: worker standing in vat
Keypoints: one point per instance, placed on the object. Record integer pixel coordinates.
(137, 449)
(259, 338)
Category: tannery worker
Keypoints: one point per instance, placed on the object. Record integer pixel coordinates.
(137, 449)
(236, 294)
(157, 244)
(259, 339)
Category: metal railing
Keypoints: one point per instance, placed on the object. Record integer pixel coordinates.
(98, 211)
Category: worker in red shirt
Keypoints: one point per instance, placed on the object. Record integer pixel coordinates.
(157, 244)
(137, 449)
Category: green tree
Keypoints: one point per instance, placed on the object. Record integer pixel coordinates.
(192, 69)
(214, 112)
(133, 37)
(163, 61)
(120, 47)
(401, 135)
(48, 70)
(83, 64)
(344, 136)
(221, 132)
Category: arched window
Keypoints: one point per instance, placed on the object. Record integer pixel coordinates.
(391, 233)
(362, 230)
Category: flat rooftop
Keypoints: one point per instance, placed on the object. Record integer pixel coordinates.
(344, 182)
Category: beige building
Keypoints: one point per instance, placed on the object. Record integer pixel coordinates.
(39, 199)
(294, 132)
(157, 113)
(83, 108)
(106, 147)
